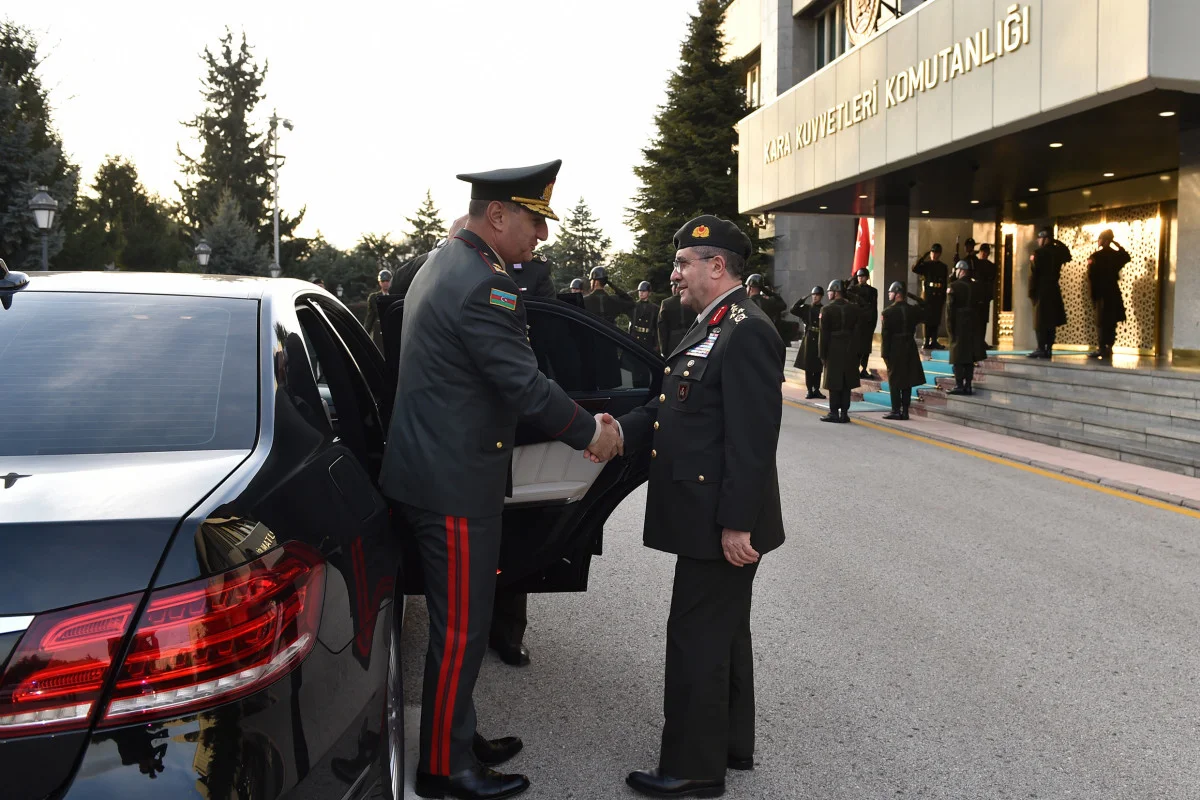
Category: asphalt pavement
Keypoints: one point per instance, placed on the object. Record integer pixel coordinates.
(937, 625)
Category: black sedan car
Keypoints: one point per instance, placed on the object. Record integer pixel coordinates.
(201, 587)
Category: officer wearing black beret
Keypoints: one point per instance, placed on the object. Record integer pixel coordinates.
(463, 384)
(643, 325)
(713, 501)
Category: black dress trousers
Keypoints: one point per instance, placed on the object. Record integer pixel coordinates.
(708, 700)
(458, 559)
(509, 619)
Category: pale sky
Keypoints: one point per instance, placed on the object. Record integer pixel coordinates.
(388, 99)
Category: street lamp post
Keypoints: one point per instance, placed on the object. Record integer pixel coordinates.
(44, 207)
(203, 253)
(276, 160)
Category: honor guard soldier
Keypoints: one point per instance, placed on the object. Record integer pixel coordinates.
(674, 320)
(866, 297)
(1104, 283)
(577, 286)
(1048, 309)
(466, 373)
(899, 346)
(713, 501)
(603, 304)
(935, 275)
(986, 275)
(962, 323)
(771, 304)
(371, 323)
(533, 277)
(808, 357)
(644, 321)
(839, 353)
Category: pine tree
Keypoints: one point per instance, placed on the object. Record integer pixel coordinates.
(31, 155)
(235, 247)
(691, 166)
(578, 246)
(428, 228)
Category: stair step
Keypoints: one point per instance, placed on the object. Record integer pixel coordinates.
(1124, 414)
(1162, 383)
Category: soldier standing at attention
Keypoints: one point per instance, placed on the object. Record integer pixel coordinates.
(577, 286)
(674, 319)
(1048, 309)
(866, 297)
(934, 277)
(643, 325)
(1104, 283)
(371, 323)
(713, 502)
(808, 357)
(839, 324)
(533, 277)
(962, 323)
(899, 345)
(986, 275)
(603, 304)
(466, 374)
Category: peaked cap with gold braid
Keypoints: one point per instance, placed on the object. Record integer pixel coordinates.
(526, 186)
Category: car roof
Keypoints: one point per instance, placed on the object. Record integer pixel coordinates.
(165, 283)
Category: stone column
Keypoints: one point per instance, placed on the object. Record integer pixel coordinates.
(1184, 333)
(891, 250)
(778, 41)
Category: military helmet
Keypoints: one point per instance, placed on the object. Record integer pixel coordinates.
(598, 274)
(817, 290)
(861, 271)
(577, 283)
(964, 265)
(644, 286)
(897, 286)
(755, 280)
(385, 275)
(835, 286)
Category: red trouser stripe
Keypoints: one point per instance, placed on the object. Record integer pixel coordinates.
(460, 638)
(436, 755)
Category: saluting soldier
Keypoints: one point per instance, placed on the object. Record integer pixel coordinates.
(1104, 283)
(839, 325)
(934, 277)
(644, 323)
(674, 320)
(1048, 309)
(371, 323)
(603, 304)
(466, 374)
(533, 277)
(713, 501)
(962, 323)
(866, 297)
(899, 346)
(808, 357)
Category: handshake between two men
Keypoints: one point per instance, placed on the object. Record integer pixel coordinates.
(609, 442)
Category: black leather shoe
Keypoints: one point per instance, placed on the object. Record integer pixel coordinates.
(831, 417)
(477, 783)
(650, 782)
(893, 415)
(491, 752)
(843, 417)
(904, 413)
(957, 390)
(819, 396)
(513, 656)
(810, 396)
(743, 764)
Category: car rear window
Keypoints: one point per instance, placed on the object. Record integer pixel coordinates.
(121, 373)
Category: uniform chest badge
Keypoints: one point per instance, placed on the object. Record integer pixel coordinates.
(682, 392)
(704, 348)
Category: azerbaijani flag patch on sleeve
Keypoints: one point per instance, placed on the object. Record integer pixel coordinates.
(503, 299)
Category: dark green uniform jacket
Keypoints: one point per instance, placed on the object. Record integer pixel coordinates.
(712, 435)
(899, 344)
(962, 322)
(371, 323)
(1048, 309)
(809, 356)
(533, 278)
(839, 351)
(935, 275)
(1104, 280)
(674, 319)
(643, 325)
(466, 373)
(608, 306)
(867, 298)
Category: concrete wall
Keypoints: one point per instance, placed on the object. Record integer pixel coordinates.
(811, 250)
(1080, 53)
(742, 27)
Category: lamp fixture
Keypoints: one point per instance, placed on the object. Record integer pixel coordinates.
(974, 202)
(1166, 113)
(824, 208)
(1023, 204)
(1055, 145)
(926, 211)
(1109, 174)
(1033, 188)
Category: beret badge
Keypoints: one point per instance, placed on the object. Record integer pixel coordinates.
(700, 232)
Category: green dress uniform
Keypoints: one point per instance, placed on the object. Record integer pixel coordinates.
(839, 352)
(866, 297)
(371, 322)
(466, 374)
(1048, 309)
(935, 276)
(674, 320)
(643, 325)
(900, 352)
(808, 357)
(962, 323)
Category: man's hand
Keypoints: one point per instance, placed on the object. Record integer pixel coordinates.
(609, 444)
(737, 549)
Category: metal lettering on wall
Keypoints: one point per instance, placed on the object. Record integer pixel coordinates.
(976, 51)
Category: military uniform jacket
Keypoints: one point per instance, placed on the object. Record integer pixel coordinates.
(985, 275)
(673, 321)
(962, 322)
(1044, 291)
(899, 345)
(466, 374)
(403, 275)
(810, 343)
(712, 435)
(839, 351)
(1104, 280)
(371, 323)
(608, 306)
(935, 276)
(533, 278)
(867, 298)
(644, 324)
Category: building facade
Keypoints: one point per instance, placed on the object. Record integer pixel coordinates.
(948, 119)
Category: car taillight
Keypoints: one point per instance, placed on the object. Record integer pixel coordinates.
(196, 645)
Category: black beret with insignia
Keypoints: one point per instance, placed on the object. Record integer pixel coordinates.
(530, 187)
(709, 231)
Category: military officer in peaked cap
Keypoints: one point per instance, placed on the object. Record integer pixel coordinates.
(713, 501)
(463, 382)
(644, 323)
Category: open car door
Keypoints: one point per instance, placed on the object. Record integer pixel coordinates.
(554, 520)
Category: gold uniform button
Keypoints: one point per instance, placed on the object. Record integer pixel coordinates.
(686, 373)
(662, 398)
(701, 479)
(667, 371)
(654, 454)
(499, 445)
(655, 426)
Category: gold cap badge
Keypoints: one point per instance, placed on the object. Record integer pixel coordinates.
(700, 232)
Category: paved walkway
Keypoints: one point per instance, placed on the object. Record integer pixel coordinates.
(1165, 487)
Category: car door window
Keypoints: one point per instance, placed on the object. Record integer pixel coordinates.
(580, 358)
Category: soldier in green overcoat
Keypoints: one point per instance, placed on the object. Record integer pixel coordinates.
(962, 323)
(839, 352)
(900, 353)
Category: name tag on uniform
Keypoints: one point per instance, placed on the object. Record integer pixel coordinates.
(704, 348)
